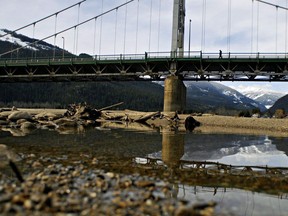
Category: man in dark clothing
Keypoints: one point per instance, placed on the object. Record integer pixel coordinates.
(220, 53)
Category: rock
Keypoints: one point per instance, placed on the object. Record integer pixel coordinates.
(19, 115)
(191, 123)
(20, 121)
(47, 116)
(27, 126)
(65, 122)
(47, 125)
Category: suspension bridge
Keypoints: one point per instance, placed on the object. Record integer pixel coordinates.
(173, 66)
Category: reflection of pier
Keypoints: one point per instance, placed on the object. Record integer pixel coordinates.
(172, 148)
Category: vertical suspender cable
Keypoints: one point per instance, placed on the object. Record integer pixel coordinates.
(257, 39)
(40, 20)
(276, 30)
(286, 19)
(137, 27)
(77, 29)
(94, 36)
(159, 24)
(203, 25)
(33, 40)
(252, 25)
(150, 25)
(125, 26)
(54, 50)
(229, 26)
(115, 33)
(76, 32)
(101, 21)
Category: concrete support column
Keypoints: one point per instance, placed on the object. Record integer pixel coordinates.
(174, 94)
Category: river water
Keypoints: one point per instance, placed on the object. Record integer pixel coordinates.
(169, 149)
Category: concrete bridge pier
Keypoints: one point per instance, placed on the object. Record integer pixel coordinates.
(174, 94)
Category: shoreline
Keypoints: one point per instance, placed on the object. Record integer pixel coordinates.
(243, 125)
(209, 123)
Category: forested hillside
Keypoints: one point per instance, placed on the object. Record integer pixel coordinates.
(282, 103)
(145, 96)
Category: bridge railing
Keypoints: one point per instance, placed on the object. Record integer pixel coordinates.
(145, 56)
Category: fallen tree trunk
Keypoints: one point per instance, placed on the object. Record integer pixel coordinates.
(109, 107)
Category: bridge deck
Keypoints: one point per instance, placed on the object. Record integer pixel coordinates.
(149, 66)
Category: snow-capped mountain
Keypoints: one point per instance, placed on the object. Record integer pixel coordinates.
(261, 95)
(6, 36)
(24, 45)
(217, 97)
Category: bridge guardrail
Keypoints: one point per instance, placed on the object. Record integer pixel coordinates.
(147, 55)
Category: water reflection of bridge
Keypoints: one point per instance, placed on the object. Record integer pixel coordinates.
(170, 165)
(129, 153)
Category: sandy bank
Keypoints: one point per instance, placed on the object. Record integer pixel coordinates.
(228, 124)
(209, 123)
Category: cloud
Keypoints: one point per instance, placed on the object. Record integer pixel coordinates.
(18, 13)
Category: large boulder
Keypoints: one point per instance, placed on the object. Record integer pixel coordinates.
(15, 116)
(191, 123)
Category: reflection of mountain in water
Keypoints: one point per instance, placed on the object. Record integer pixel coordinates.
(217, 146)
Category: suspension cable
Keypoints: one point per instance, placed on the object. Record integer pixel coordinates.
(159, 24)
(276, 30)
(67, 29)
(77, 30)
(94, 36)
(286, 20)
(137, 27)
(115, 33)
(274, 5)
(33, 40)
(55, 35)
(150, 25)
(229, 26)
(101, 22)
(252, 26)
(125, 28)
(203, 25)
(257, 40)
(40, 20)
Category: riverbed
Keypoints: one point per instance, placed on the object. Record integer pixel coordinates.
(164, 170)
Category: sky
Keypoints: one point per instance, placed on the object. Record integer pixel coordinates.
(146, 25)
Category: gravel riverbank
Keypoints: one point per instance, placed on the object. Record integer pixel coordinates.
(58, 186)
(53, 187)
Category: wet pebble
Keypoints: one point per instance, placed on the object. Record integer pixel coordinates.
(80, 190)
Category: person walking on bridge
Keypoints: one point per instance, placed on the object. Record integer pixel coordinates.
(220, 54)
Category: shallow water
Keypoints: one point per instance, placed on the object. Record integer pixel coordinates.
(113, 146)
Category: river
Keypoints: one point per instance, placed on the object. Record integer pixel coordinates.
(180, 153)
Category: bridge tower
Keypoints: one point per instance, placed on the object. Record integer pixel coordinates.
(175, 90)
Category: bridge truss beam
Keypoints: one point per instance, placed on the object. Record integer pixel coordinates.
(150, 66)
